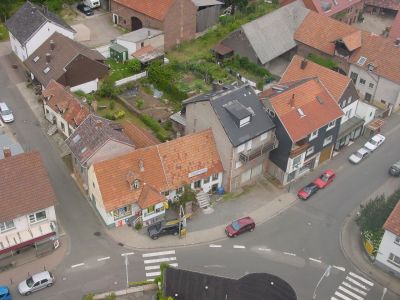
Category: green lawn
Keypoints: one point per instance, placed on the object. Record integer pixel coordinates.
(3, 32)
(117, 70)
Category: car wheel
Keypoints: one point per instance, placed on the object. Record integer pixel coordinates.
(251, 229)
(27, 293)
(176, 233)
(49, 285)
(154, 237)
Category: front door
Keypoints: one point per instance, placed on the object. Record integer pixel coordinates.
(325, 154)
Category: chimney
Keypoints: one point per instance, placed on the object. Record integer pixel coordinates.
(52, 45)
(141, 165)
(7, 152)
(148, 33)
(303, 64)
(397, 42)
(292, 101)
(99, 124)
(48, 56)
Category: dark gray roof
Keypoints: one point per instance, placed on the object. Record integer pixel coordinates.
(6, 142)
(200, 286)
(92, 134)
(234, 104)
(29, 18)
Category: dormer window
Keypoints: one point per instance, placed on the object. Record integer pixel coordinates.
(313, 135)
(361, 61)
(45, 71)
(136, 184)
(244, 121)
(36, 59)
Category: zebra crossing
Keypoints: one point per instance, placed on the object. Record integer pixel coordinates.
(153, 260)
(353, 287)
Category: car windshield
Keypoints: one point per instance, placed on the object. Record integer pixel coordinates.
(373, 142)
(6, 112)
(324, 177)
(30, 282)
(358, 154)
(236, 225)
(85, 8)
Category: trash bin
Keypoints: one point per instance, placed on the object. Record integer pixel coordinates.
(220, 190)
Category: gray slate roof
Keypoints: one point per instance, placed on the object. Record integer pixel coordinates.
(92, 134)
(273, 34)
(139, 35)
(6, 142)
(235, 103)
(30, 18)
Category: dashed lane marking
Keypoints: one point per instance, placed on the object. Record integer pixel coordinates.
(239, 246)
(158, 253)
(340, 268)
(264, 249)
(103, 258)
(316, 260)
(214, 246)
(126, 254)
(78, 265)
(288, 253)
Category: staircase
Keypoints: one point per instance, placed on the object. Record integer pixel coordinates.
(52, 130)
(203, 199)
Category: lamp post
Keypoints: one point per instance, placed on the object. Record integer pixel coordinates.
(326, 274)
(384, 292)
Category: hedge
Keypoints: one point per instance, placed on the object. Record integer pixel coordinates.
(153, 124)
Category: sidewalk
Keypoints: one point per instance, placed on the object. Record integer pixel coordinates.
(353, 250)
(262, 202)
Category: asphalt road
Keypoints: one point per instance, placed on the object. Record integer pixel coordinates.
(297, 245)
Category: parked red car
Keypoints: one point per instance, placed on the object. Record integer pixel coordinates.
(325, 179)
(307, 191)
(239, 226)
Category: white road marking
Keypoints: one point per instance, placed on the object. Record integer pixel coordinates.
(354, 295)
(354, 288)
(128, 253)
(288, 253)
(214, 246)
(362, 279)
(103, 258)
(78, 265)
(159, 253)
(333, 298)
(316, 260)
(159, 260)
(264, 249)
(357, 283)
(239, 246)
(150, 279)
(153, 274)
(342, 296)
(157, 267)
(340, 268)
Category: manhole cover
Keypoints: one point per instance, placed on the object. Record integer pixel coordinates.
(97, 233)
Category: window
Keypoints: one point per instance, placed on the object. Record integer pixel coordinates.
(328, 140)
(62, 126)
(206, 180)
(4, 226)
(362, 81)
(240, 148)
(264, 136)
(215, 176)
(383, 101)
(122, 212)
(179, 190)
(150, 209)
(249, 144)
(166, 193)
(296, 161)
(349, 100)
(397, 240)
(244, 121)
(371, 85)
(310, 151)
(367, 97)
(348, 113)
(354, 77)
(37, 216)
(81, 170)
(394, 259)
(331, 125)
(141, 44)
(159, 209)
(197, 184)
(313, 135)
(238, 164)
(94, 186)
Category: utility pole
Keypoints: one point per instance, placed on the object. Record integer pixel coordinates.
(384, 292)
(326, 274)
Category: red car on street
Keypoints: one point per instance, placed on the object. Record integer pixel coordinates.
(239, 226)
(307, 191)
(325, 179)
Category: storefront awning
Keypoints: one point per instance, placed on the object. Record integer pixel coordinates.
(375, 124)
(350, 125)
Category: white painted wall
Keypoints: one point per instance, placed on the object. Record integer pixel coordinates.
(349, 111)
(17, 48)
(365, 111)
(129, 45)
(50, 113)
(386, 247)
(383, 89)
(146, 217)
(87, 87)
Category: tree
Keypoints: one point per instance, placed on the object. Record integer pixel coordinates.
(107, 88)
(134, 65)
(187, 195)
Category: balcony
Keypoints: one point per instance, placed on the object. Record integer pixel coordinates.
(247, 156)
(298, 149)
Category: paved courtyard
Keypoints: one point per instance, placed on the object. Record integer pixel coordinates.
(375, 23)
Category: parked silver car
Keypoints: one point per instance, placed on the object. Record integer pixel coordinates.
(5, 113)
(36, 282)
(359, 155)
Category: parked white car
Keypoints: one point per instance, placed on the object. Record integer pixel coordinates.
(5, 113)
(36, 282)
(359, 155)
(375, 142)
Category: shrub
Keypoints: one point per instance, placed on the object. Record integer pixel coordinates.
(138, 226)
(107, 88)
(109, 116)
(112, 296)
(88, 297)
(139, 103)
(161, 134)
(119, 114)
(134, 65)
(238, 62)
(111, 105)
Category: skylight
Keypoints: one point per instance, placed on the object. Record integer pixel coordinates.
(83, 149)
(76, 138)
(36, 59)
(45, 71)
(301, 113)
(361, 61)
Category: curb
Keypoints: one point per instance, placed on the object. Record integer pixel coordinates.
(132, 290)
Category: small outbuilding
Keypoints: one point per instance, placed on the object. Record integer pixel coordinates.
(118, 52)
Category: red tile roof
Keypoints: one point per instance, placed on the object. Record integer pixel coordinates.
(320, 32)
(62, 101)
(352, 41)
(330, 7)
(156, 9)
(395, 28)
(392, 224)
(164, 167)
(390, 4)
(334, 82)
(140, 137)
(302, 97)
(25, 186)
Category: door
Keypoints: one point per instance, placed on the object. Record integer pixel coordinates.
(115, 19)
(36, 286)
(136, 23)
(325, 154)
(43, 283)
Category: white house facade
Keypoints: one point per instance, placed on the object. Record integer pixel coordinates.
(388, 255)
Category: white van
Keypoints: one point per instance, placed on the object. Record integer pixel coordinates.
(92, 3)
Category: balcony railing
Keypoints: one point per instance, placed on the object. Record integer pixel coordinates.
(247, 156)
(297, 150)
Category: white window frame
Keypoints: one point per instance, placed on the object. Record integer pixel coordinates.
(310, 151)
(397, 240)
(331, 125)
(238, 164)
(240, 148)
(249, 145)
(6, 226)
(244, 121)
(35, 219)
(294, 165)
(327, 142)
(362, 80)
(264, 136)
(313, 135)
(392, 258)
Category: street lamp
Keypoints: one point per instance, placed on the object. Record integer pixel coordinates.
(126, 266)
(384, 292)
(326, 274)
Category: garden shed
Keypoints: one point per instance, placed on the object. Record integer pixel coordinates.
(118, 52)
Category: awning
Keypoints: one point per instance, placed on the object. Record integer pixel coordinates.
(348, 126)
(375, 124)
(222, 50)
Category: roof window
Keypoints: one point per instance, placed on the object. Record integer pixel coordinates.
(301, 112)
(244, 121)
(83, 149)
(45, 71)
(361, 61)
(36, 59)
(76, 138)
